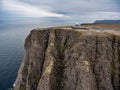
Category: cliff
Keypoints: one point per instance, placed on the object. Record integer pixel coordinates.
(66, 59)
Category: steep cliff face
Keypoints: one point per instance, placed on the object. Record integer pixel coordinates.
(58, 59)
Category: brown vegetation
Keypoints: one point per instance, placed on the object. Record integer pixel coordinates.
(106, 26)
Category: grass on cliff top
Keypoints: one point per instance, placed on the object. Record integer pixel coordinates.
(107, 26)
(111, 35)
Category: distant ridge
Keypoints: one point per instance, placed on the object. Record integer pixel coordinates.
(107, 22)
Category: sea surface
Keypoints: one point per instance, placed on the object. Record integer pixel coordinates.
(12, 36)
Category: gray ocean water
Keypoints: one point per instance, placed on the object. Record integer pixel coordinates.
(12, 36)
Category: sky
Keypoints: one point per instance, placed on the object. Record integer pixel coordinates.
(59, 10)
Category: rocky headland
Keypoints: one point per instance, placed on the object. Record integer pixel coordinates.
(63, 58)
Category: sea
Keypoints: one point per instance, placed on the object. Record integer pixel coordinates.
(12, 36)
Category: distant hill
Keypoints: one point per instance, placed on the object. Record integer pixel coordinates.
(107, 22)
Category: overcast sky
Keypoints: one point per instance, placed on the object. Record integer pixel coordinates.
(66, 10)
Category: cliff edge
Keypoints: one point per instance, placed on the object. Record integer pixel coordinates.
(66, 59)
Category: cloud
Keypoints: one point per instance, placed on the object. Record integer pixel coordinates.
(70, 11)
(27, 10)
(101, 15)
(106, 15)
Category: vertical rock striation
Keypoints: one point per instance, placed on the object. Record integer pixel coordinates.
(59, 59)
